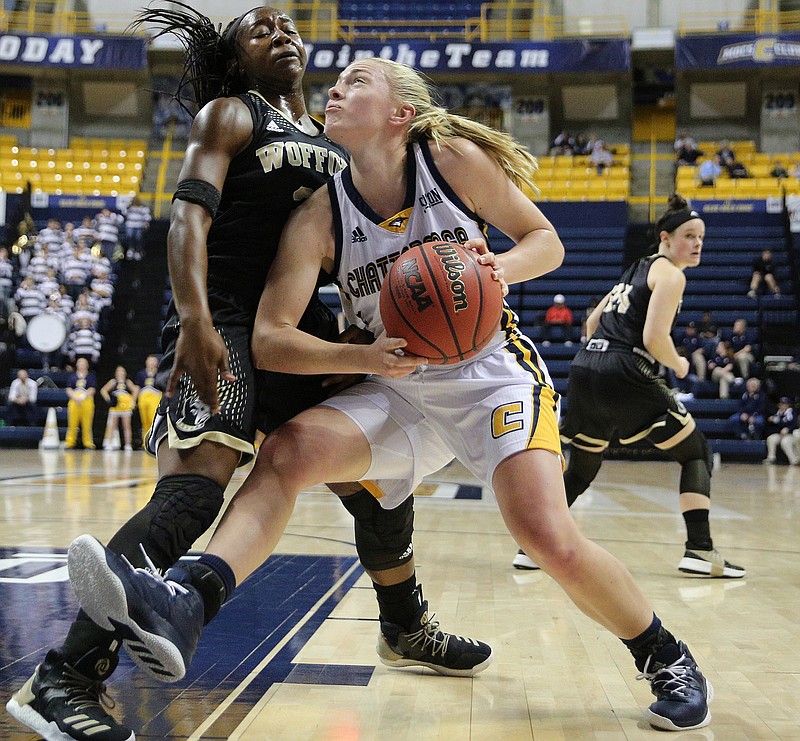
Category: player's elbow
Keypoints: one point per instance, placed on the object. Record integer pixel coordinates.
(260, 348)
(555, 251)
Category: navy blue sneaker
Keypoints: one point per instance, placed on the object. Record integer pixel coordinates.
(158, 619)
(424, 644)
(67, 700)
(683, 694)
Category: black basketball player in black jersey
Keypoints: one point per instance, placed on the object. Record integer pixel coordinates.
(614, 386)
(253, 155)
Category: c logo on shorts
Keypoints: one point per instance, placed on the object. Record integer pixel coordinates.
(504, 419)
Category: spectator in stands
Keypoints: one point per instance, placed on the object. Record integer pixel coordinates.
(107, 225)
(49, 285)
(763, 272)
(557, 321)
(742, 348)
(709, 332)
(781, 426)
(721, 368)
(67, 303)
(796, 170)
(778, 170)
(120, 394)
(81, 388)
(137, 222)
(686, 150)
(600, 157)
(581, 145)
(562, 144)
(22, 400)
(6, 276)
(709, 171)
(149, 394)
(85, 230)
(692, 347)
(102, 293)
(29, 298)
(736, 169)
(725, 153)
(748, 422)
(75, 269)
(39, 263)
(85, 308)
(84, 342)
(52, 235)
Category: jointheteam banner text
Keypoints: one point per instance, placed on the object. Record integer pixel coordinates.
(557, 56)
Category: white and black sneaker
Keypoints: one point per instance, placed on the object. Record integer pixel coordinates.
(709, 563)
(158, 619)
(424, 644)
(63, 701)
(524, 562)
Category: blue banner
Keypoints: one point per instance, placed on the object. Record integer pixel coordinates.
(80, 52)
(457, 56)
(737, 50)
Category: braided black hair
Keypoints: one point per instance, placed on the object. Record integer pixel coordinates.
(210, 70)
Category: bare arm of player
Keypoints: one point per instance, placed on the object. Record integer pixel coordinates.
(667, 283)
(307, 246)
(220, 131)
(593, 320)
(483, 186)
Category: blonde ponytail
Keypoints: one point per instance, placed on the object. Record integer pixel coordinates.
(439, 125)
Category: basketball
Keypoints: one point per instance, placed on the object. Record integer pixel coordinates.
(442, 301)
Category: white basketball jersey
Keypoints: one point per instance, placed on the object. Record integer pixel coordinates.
(367, 244)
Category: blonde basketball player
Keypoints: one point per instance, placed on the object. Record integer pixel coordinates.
(416, 173)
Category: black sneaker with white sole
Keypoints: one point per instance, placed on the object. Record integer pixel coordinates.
(158, 619)
(64, 700)
(424, 644)
(709, 563)
(524, 562)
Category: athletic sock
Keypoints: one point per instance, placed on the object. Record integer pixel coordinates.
(399, 603)
(698, 530)
(655, 641)
(84, 635)
(214, 579)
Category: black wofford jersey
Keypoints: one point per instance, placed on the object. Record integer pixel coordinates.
(623, 318)
(273, 175)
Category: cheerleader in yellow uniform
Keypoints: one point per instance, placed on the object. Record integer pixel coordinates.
(81, 389)
(120, 393)
(149, 394)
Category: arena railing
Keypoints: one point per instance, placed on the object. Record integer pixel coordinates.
(748, 21)
(320, 21)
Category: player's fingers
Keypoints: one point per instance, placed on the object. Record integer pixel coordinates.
(172, 381)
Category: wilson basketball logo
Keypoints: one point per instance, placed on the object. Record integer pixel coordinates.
(442, 301)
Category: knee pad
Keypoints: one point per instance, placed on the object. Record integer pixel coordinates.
(581, 471)
(383, 536)
(696, 461)
(181, 509)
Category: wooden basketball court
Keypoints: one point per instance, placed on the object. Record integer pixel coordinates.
(292, 656)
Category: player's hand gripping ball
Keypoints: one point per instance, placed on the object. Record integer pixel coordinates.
(442, 301)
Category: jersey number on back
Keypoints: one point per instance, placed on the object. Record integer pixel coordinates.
(619, 298)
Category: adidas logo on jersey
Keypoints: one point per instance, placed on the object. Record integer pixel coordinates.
(272, 126)
(358, 235)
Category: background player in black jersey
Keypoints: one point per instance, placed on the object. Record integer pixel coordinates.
(254, 154)
(614, 385)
